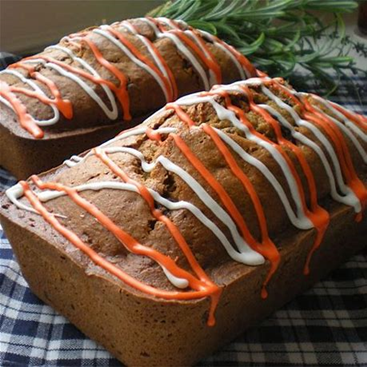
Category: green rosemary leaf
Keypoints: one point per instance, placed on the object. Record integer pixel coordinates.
(204, 25)
(195, 5)
(221, 10)
(331, 5)
(279, 36)
(253, 47)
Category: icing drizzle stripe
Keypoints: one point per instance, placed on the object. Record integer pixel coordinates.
(158, 58)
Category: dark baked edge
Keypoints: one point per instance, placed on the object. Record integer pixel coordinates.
(24, 156)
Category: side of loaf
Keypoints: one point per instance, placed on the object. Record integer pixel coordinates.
(172, 238)
(103, 80)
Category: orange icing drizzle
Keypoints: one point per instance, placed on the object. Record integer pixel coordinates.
(343, 152)
(267, 247)
(341, 147)
(202, 288)
(142, 58)
(359, 120)
(153, 135)
(210, 62)
(206, 283)
(64, 106)
(25, 119)
(121, 91)
(157, 214)
(246, 64)
(163, 62)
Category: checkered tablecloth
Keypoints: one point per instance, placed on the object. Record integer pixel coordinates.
(327, 326)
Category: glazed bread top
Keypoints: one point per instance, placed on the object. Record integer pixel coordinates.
(112, 73)
(215, 178)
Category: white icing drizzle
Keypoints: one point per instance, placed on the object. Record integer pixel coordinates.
(112, 113)
(361, 134)
(300, 220)
(246, 256)
(132, 132)
(229, 50)
(180, 46)
(14, 193)
(244, 73)
(134, 59)
(139, 130)
(212, 76)
(147, 44)
(73, 161)
(194, 37)
(348, 133)
(353, 127)
(177, 282)
(267, 173)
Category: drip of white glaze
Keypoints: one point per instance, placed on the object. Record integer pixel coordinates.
(177, 282)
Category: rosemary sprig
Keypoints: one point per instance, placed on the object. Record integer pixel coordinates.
(279, 36)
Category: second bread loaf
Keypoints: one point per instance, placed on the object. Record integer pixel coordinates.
(97, 82)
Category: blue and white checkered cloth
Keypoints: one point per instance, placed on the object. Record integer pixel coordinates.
(327, 326)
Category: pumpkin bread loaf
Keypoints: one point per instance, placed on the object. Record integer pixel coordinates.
(171, 239)
(95, 83)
